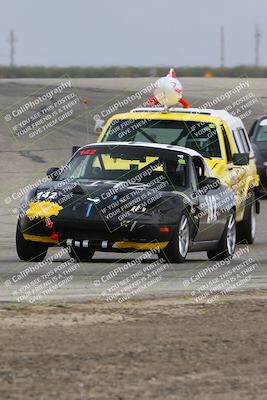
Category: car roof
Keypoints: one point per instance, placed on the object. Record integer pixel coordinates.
(234, 122)
(180, 149)
(179, 110)
(262, 117)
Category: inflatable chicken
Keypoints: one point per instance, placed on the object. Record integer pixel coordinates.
(168, 91)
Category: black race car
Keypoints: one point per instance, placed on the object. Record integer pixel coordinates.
(129, 197)
(258, 138)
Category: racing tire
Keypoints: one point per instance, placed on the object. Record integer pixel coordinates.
(227, 243)
(247, 228)
(28, 250)
(81, 254)
(178, 247)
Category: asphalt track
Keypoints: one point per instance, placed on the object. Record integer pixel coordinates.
(25, 161)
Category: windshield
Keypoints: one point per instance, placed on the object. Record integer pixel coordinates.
(262, 132)
(121, 163)
(199, 136)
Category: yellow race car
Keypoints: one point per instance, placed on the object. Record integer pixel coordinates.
(215, 134)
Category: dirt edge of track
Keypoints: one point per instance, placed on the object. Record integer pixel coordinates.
(171, 348)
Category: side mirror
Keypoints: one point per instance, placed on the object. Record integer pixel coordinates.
(210, 183)
(53, 173)
(241, 158)
(74, 149)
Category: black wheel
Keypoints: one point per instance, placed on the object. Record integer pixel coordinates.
(227, 244)
(81, 254)
(247, 228)
(177, 249)
(28, 250)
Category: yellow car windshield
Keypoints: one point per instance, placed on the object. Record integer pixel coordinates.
(196, 135)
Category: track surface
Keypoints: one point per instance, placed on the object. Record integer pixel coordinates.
(27, 161)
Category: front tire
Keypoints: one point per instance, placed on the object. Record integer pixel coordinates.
(28, 250)
(247, 228)
(177, 249)
(227, 244)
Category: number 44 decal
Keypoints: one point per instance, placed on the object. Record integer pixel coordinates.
(212, 208)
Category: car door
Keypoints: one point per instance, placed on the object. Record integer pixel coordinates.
(211, 211)
(244, 174)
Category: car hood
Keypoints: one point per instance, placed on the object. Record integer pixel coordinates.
(111, 199)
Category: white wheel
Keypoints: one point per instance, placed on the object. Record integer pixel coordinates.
(231, 235)
(184, 236)
(226, 246)
(178, 247)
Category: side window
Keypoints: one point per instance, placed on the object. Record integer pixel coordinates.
(244, 139)
(227, 144)
(238, 142)
(199, 169)
(194, 182)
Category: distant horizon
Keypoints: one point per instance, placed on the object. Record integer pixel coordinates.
(207, 71)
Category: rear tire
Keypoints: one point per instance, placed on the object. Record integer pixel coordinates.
(247, 228)
(227, 244)
(28, 250)
(81, 254)
(178, 247)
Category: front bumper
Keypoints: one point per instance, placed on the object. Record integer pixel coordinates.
(136, 235)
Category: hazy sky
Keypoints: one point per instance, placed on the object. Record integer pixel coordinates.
(131, 32)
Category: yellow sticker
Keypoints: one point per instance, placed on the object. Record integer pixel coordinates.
(43, 209)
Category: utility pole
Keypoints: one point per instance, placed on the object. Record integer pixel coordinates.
(222, 46)
(12, 41)
(257, 45)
